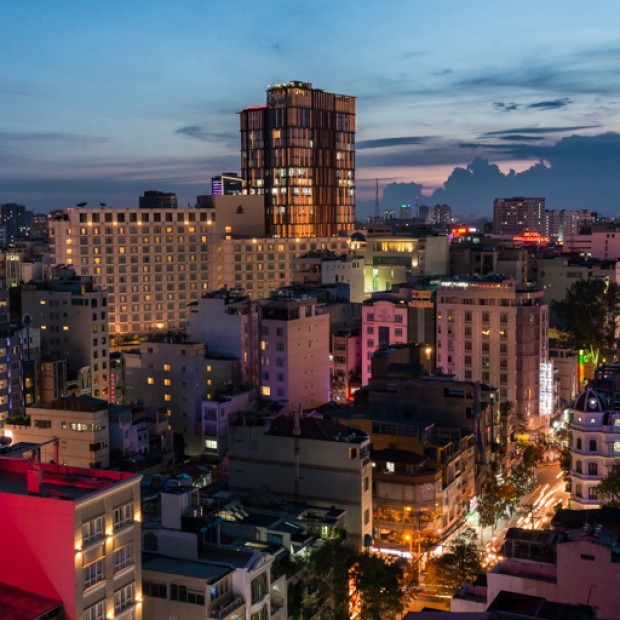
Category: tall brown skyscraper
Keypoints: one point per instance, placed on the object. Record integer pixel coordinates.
(299, 151)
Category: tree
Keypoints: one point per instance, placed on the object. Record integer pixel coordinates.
(588, 317)
(519, 477)
(609, 488)
(455, 568)
(565, 462)
(377, 587)
(494, 500)
(328, 578)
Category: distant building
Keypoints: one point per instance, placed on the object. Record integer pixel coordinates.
(15, 222)
(227, 184)
(513, 216)
(75, 537)
(154, 199)
(299, 151)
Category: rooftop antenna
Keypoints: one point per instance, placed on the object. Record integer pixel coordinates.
(377, 206)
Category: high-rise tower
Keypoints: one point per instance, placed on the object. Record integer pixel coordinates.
(299, 151)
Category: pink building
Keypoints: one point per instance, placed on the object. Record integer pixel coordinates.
(72, 535)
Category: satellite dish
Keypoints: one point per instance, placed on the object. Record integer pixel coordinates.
(81, 204)
(103, 204)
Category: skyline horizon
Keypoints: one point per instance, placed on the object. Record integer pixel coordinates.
(462, 105)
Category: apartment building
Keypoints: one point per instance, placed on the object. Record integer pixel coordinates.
(419, 255)
(308, 460)
(72, 314)
(80, 424)
(417, 497)
(495, 331)
(75, 537)
(186, 577)
(227, 322)
(294, 352)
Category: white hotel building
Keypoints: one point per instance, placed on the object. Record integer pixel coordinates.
(155, 262)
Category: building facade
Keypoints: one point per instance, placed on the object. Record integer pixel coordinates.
(75, 537)
(594, 443)
(513, 216)
(314, 461)
(494, 331)
(299, 151)
(72, 314)
(151, 262)
(294, 352)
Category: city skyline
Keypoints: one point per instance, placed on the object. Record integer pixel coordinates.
(99, 103)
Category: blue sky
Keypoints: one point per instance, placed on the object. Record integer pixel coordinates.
(102, 100)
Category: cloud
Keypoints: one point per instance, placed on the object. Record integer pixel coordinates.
(554, 104)
(519, 137)
(577, 172)
(537, 130)
(198, 132)
(506, 107)
(66, 138)
(389, 142)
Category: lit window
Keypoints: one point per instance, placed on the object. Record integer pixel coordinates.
(167, 382)
(390, 467)
(123, 516)
(150, 381)
(166, 366)
(265, 390)
(65, 328)
(209, 368)
(167, 397)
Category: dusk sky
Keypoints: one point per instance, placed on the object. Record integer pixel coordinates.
(100, 101)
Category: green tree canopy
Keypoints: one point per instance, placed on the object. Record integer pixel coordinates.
(609, 488)
(455, 568)
(587, 317)
(378, 586)
(377, 590)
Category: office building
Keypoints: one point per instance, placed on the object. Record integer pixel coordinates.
(74, 537)
(299, 151)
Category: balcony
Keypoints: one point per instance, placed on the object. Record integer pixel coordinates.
(222, 613)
